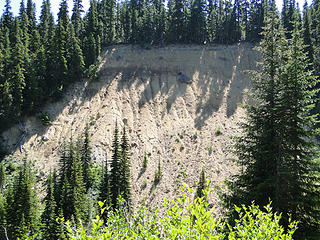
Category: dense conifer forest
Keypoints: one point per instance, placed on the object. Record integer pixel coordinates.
(41, 58)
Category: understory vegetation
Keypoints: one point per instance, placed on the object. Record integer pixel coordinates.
(184, 218)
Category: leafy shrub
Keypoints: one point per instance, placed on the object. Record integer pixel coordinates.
(92, 73)
(145, 161)
(184, 218)
(45, 119)
(218, 132)
(158, 174)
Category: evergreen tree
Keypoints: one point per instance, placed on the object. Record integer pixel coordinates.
(39, 76)
(212, 21)
(119, 31)
(86, 159)
(92, 40)
(76, 64)
(299, 194)
(76, 19)
(78, 189)
(316, 34)
(288, 10)
(197, 25)
(177, 23)
(49, 215)
(71, 197)
(2, 177)
(17, 73)
(46, 21)
(105, 189)
(62, 190)
(126, 22)
(106, 16)
(60, 49)
(255, 21)
(307, 41)
(22, 204)
(202, 185)
(31, 12)
(276, 150)
(125, 186)
(7, 17)
(115, 168)
(134, 13)
(2, 215)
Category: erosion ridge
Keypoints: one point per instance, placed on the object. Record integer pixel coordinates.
(174, 122)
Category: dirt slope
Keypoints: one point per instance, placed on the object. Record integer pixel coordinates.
(174, 122)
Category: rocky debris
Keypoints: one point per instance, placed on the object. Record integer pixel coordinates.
(184, 78)
(45, 138)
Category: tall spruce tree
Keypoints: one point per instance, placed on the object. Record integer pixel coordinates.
(276, 150)
(125, 185)
(70, 190)
(31, 12)
(76, 19)
(106, 15)
(306, 32)
(86, 159)
(177, 23)
(197, 23)
(7, 17)
(17, 73)
(75, 61)
(22, 204)
(49, 215)
(115, 168)
(105, 188)
(202, 185)
(299, 194)
(60, 48)
(78, 188)
(316, 34)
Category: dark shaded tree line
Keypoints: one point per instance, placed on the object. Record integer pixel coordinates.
(71, 191)
(40, 58)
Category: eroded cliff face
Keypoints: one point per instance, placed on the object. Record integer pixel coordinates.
(173, 122)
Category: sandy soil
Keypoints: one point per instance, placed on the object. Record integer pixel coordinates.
(175, 123)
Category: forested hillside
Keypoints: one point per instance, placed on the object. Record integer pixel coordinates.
(113, 81)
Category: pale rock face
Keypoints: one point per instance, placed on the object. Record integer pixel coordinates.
(174, 122)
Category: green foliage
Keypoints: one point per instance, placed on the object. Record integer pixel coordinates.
(3, 152)
(92, 72)
(125, 181)
(218, 132)
(157, 174)
(49, 215)
(145, 160)
(260, 225)
(45, 119)
(202, 185)
(277, 148)
(183, 218)
(115, 168)
(70, 190)
(86, 160)
(120, 170)
(22, 216)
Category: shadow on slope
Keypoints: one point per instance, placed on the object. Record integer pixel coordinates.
(217, 73)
